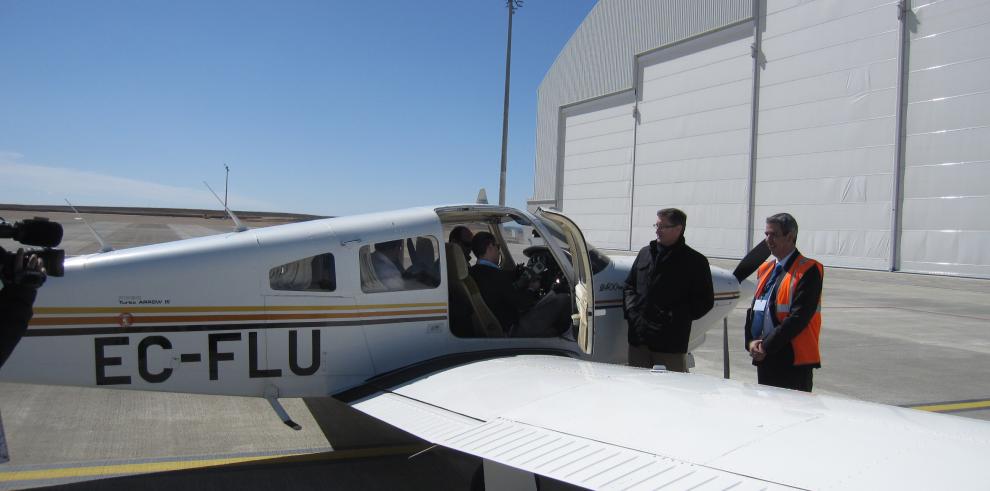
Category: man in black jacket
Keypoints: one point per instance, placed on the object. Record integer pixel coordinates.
(669, 286)
(519, 311)
(21, 280)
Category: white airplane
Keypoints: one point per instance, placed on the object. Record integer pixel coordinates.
(308, 309)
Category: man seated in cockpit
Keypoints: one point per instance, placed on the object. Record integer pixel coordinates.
(387, 261)
(516, 305)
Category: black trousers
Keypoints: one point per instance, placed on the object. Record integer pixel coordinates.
(797, 378)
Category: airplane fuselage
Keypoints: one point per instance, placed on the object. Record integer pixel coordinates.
(226, 314)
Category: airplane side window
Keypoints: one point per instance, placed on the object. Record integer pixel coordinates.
(400, 265)
(311, 274)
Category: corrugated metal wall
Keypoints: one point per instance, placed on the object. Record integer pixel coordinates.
(871, 126)
(826, 150)
(598, 160)
(945, 221)
(600, 57)
(693, 139)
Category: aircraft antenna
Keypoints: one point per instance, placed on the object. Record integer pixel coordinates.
(104, 247)
(238, 226)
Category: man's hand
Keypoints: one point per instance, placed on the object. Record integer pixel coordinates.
(30, 272)
(636, 331)
(526, 280)
(756, 350)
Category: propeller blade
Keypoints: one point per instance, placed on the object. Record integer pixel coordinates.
(752, 261)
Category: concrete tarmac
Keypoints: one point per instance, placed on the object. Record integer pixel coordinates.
(887, 337)
(893, 338)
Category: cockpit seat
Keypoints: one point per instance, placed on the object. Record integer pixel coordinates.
(464, 292)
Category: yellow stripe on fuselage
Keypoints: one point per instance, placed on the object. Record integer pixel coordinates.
(244, 308)
(79, 316)
(171, 319)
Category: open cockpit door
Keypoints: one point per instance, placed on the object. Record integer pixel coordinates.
(562, 233)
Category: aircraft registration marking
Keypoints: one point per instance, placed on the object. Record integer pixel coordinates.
(225, 335)
(216, 354)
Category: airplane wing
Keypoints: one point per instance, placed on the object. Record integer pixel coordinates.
(606, 426)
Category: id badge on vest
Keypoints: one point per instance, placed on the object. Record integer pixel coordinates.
(759, 317)
(760, 305)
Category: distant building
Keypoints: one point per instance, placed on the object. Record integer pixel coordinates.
(870, 125)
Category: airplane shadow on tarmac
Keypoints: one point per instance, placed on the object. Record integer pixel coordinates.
(369, 454)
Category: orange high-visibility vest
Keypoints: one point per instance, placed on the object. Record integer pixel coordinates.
(805, 344)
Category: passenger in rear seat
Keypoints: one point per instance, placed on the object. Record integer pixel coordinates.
(462, 236)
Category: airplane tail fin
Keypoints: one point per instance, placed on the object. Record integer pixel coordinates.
(482, 197)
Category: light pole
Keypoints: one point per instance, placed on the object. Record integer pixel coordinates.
(226, 179)
(512, 5)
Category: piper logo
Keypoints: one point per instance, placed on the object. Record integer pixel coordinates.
(610, 286)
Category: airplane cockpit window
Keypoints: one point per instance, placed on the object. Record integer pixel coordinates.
(534, 259)
(534, 303)
(311, 274)
(516, 236)
(599, 261)
(399, 265)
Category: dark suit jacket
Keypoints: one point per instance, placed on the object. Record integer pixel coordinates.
(777, 344)
(502, 297)
(15, 313)
(664, 293)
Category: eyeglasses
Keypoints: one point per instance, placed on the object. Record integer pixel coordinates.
(663, 227)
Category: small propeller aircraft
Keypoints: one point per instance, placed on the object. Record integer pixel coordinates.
(379, 311)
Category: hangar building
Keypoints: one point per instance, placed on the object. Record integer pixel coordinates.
(868, 120)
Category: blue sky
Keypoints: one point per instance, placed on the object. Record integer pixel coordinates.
(324, 107)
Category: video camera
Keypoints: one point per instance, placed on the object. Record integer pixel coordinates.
(39, 232)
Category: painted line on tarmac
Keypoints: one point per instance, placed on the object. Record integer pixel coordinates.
(178, 464)
(954, 406)
(908, 309)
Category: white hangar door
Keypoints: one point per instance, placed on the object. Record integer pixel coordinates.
(693, 139)
(945, 220)
(826, 142)
(598, 138)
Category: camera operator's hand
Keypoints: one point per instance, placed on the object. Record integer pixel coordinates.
(29, 272)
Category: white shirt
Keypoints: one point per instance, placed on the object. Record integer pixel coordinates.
(767, 318)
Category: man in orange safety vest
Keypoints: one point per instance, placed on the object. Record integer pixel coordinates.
(784, 322)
